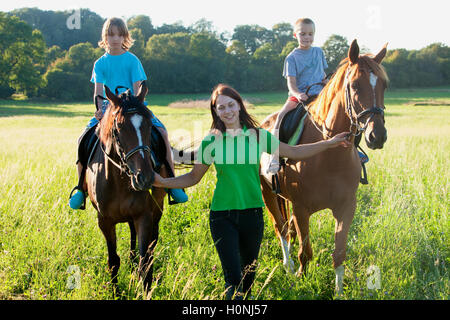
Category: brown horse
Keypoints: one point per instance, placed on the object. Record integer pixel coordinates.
(352, 101)
(119, 177)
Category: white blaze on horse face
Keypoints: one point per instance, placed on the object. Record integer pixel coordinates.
(136, 120)
(373, 83)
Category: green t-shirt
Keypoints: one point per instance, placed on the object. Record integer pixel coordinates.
(236, 159)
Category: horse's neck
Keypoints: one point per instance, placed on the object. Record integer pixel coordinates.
(337, 120)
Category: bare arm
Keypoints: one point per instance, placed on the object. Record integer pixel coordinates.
(293, 90)
(136, 87)
(184, 181)
(98, 90)
(304, 151)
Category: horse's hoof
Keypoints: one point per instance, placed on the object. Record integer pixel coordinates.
(299, 272)
(289, 266)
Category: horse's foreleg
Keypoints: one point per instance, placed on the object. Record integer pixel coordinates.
(301, 221)
(279, 223)
(109, 231)
(144, 231)
(132, 241)
(344, 218)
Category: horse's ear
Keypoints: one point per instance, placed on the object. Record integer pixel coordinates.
(111, 97)
(380, 55)
(143, 90)
(353, 52)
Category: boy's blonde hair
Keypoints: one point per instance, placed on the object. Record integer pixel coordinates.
(123, 31)
(301, 21)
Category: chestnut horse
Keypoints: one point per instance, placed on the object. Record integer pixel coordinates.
(119, 177)
(352, 101)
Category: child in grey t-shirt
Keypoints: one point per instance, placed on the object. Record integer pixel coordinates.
(304, 66)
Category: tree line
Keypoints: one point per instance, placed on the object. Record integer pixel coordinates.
(42, 57)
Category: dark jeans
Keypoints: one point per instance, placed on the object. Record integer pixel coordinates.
(237, 235)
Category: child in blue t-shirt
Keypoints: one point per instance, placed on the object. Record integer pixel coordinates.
(303, 67)
(120, 68)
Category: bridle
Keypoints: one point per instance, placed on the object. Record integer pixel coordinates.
(124, 156)
(355, 128)
(355, 118)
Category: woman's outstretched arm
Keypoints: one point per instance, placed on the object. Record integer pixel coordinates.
(303, 151)
(184, 181)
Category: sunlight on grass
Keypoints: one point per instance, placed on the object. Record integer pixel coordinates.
(401, 224)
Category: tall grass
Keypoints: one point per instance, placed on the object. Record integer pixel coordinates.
(401, 223)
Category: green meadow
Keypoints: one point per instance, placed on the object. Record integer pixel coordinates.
(401, 227)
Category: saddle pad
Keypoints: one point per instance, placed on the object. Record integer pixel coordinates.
(86, 143)
(298, 132)
(289, 124)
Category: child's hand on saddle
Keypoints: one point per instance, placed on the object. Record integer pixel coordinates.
(302, 97)
(340, 139)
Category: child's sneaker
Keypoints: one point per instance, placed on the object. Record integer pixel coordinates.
(76, 201)
(178, 195)
(363, 157)
(274, 166)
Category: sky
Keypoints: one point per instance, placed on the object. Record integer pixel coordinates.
(403, 24)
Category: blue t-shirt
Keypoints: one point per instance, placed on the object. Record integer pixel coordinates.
(121, 70)
(307, 66)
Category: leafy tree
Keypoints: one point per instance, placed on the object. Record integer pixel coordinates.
(265, 69)
(22, 56)
(252, 36)
(291, 45)
(138, 47)
(207, 54)
(53, 53)
(183, 62)
(237, 62)
(176, 27)
(203, 26)
(335, 49)
(53, 25)
(165, 62)
(282, 35)
(142, 23)
(68, 78)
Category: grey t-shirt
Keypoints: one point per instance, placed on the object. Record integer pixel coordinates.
(307, 66)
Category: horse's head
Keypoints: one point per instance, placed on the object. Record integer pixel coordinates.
(127, 129)
(365, 83)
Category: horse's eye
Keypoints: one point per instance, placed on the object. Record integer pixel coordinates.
(354, 86)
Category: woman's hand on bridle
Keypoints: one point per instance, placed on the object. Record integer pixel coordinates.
(340, 139)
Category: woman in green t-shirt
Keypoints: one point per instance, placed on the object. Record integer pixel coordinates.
(235, 145)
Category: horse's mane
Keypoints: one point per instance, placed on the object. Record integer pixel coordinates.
(127, 101)
(321, 106)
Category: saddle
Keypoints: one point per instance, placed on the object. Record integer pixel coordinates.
(291, 122)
